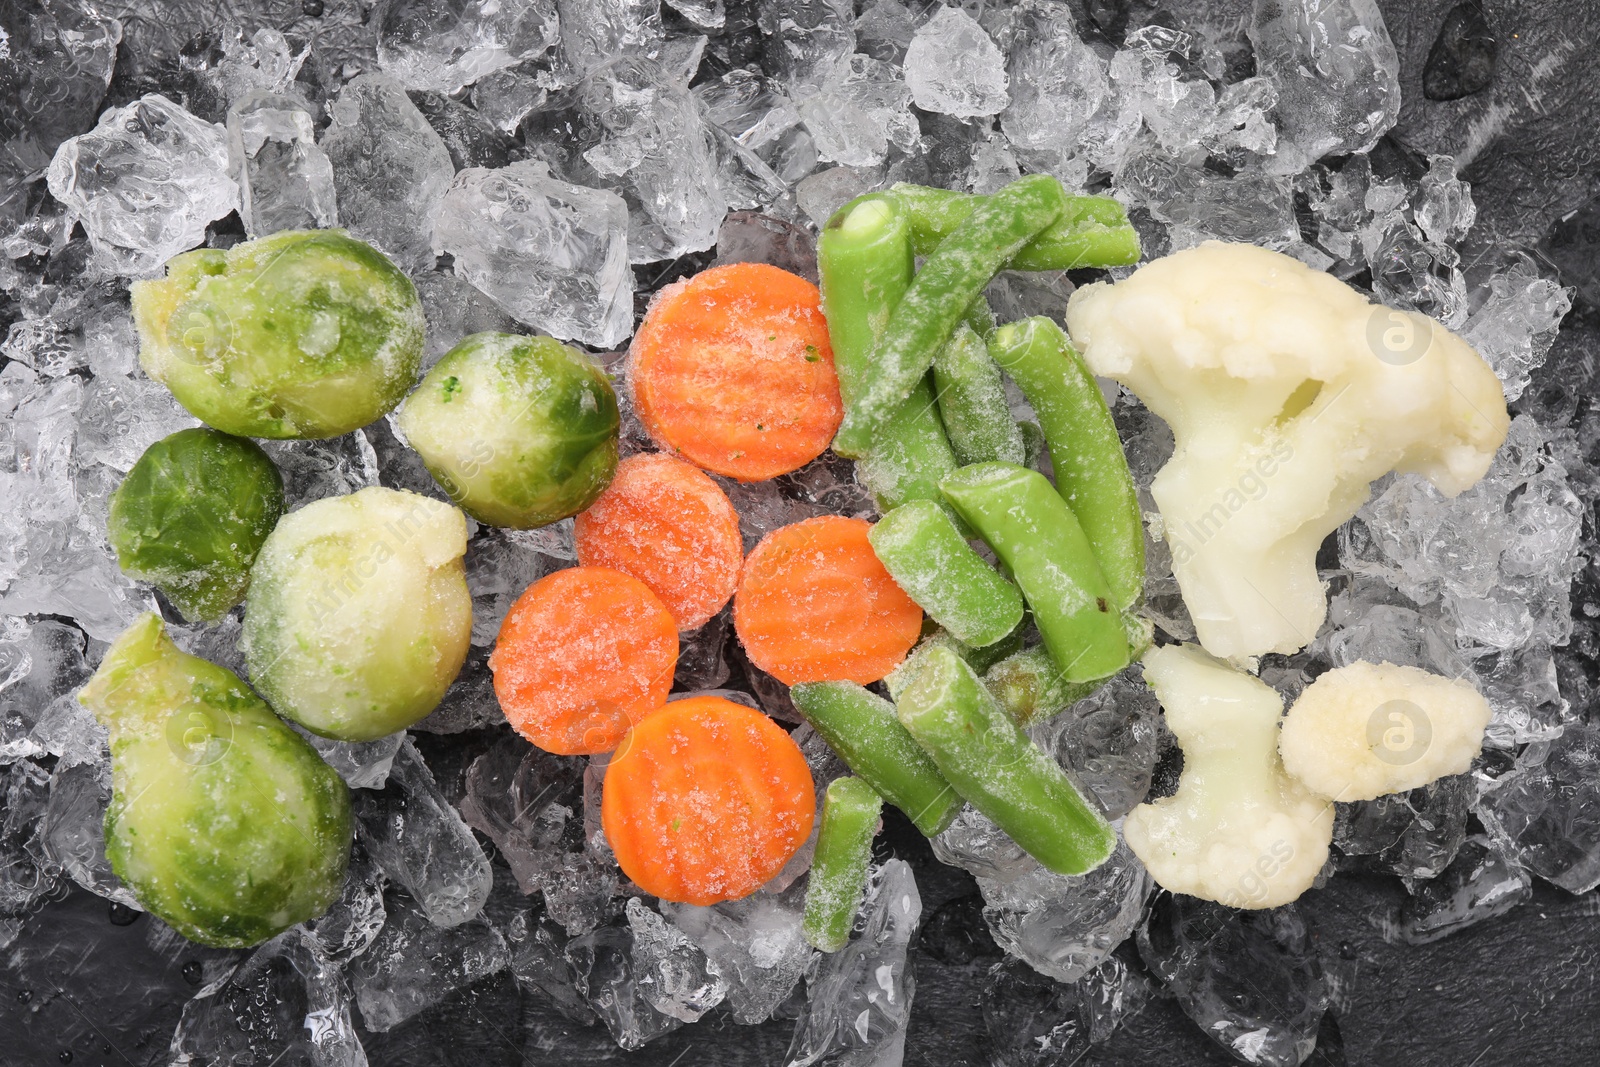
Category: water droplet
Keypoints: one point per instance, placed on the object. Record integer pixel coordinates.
(311, 8)
(193, 972)
(65, 1055)
(122, 915)
(24, 995)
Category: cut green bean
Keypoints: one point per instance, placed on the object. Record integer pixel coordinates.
(862, 728)
(1090, 467)
(998, 768)
(972, 402)
(953, 276)
(864, 254)
(1035, 534)
(1034, 447)
(1092, 231)
(1029, 686)
(980, 317)
(850, 810)
(981, 659)
(926, 555)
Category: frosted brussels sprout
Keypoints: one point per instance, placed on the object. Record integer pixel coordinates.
(306, 333)
(223, 821)
(191, 515)
(358, 616)
(520, 431)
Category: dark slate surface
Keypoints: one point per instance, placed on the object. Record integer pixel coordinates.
(91, 984)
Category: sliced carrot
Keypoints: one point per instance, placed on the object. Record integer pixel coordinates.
(815, 605)
(706, 800)
(669, 525)
(583, 654)
(732, 370)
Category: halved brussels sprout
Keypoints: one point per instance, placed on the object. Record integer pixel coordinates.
(191, 515)
(306, 333)
(223, 821)
(358, 617)
(520, 431)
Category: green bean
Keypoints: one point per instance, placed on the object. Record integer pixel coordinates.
(863, 730)
(1029, 686)
(1093, 231)
(1036, 535)
(953, 276)
(1034, 447)
(972, 402)
(1090, 467)
(864, 254)
(930, 559)
(998, 768)
(980, 317)
(850, 811)
(981, 659)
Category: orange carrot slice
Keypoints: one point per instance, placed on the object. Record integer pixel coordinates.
(815, 605)
(669, 525)
(732, 370)
(706, 800)
(583, 654)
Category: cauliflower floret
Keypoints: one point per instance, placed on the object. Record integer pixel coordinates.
(1287, 393)
(1238, 830)
(1368, 729)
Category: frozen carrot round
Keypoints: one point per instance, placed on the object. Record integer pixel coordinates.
(706, 800)
(815, 605)
(731, 370)
(583, 654)
(669, 525)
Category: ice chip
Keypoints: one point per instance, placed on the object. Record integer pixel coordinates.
(755, 945)
(1479, 884)
(285, 179)
(674, 975)
(442, 45)
(861, 111)
(414, 964)
(611, 980)
(954, 68)
(1546, 812)
(805, 40)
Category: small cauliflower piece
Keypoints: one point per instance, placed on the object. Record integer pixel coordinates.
(1368, 729)
(1238, 831)
(1288, 393)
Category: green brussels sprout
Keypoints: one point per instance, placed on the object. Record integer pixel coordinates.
(358, 617)
(223, 821)
(520, 431)
(306, 333)
(191, 515)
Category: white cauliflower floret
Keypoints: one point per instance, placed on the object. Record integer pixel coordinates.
(1368, 729)
(1288, 393)
(1238, 830)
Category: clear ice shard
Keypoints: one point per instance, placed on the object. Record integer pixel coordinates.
(805, 40)
(362, 764)
(285, 179)
(609, 978)
(1479, 884)
(1057, 83)
(421, 843)
(954, 68)
(861, 110)
(551, 254)
(674, 975)
(858, 1000)
(145, 182)
(1545, 813)
(439, 45)
(414, 964)
(1337, 74)
(73, 833)
(755, 944)
(390, 169)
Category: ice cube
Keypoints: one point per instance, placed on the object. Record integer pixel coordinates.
(1064, 927)
(145, 182)
(258, 1012)
(41, 664)
(528, 803)
(121, 417)
(703, 654)
(454, 309)
(595, 31)
(362, 764)
(755, 945)
(609, 978)
(1250, 979)
(421, 843)
(1479, 884)
(539, 962)
(804, 40)
(73, 834)
(432, 44)
(1057, 83)
(1034, 1021)
(884, 31)
(1337, 74)
(1545, 813)
(26, 874)
(264, 63)
(1249, 206)
(390, 169)
(285, 178)
(977, 845)
(954, 68)
(59, 65)
(1414, 834)
(551, 254)
(334, 466)
(858, 1000)
(415, 964)
(674, 975)
(826, 191)
(1107, 743)
(352, 923)
(499, 570)
(860, 111)
(1517, 322)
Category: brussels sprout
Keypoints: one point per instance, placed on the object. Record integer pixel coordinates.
(520, 431)
(223, 820)
(191, 515)
(306, 333)
(358, 617)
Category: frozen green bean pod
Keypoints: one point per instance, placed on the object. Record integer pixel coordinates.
(223, 821)
(865, 262)
(999, 770)
(972, 402)
(850, 811)
(1092, 231)
(1090, 467)
(191, 515)
(1019, 513)
(306, 333)
(863, 730)
(928, 557)
(1029, 686)
(953, 276)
